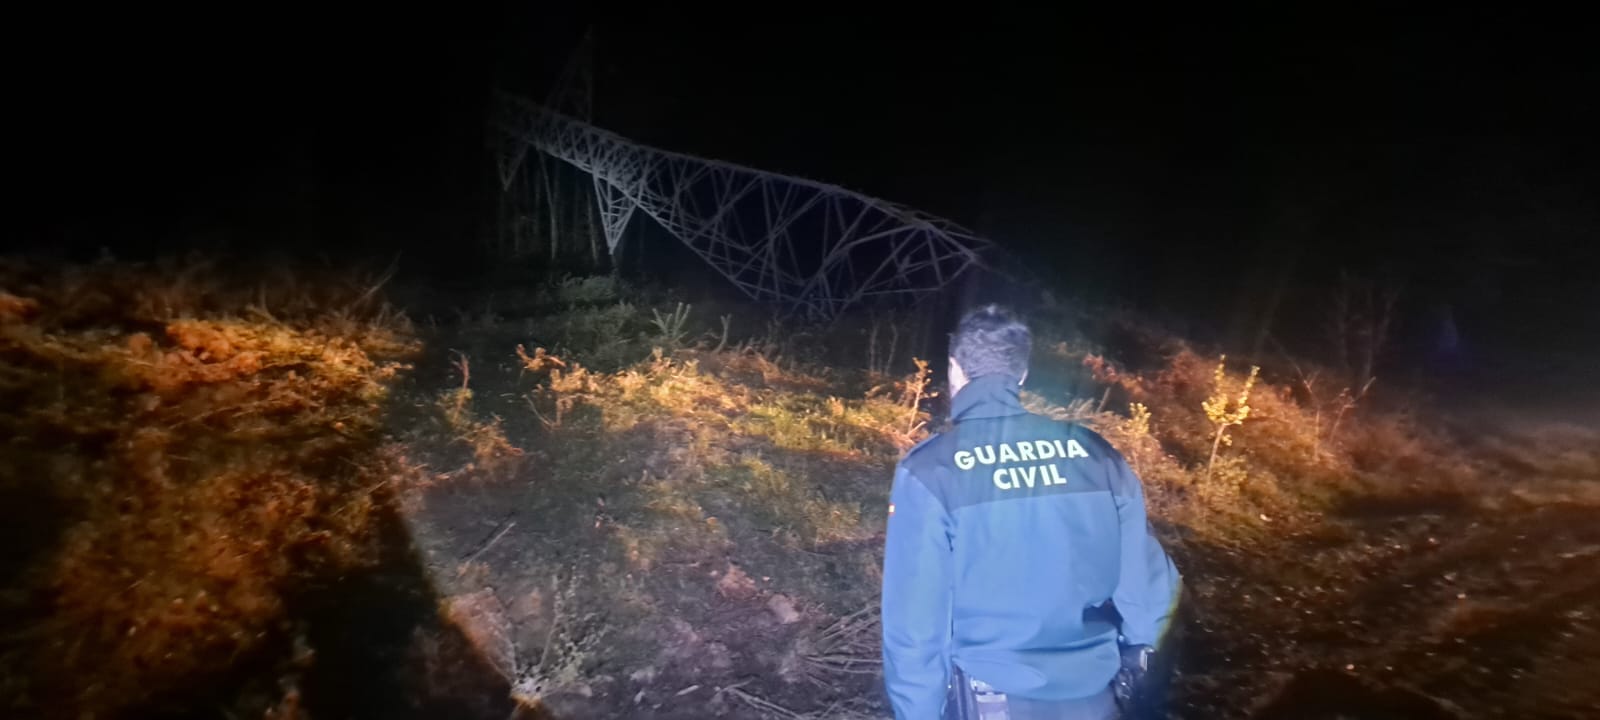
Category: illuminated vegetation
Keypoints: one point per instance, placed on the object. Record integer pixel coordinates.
(685, 488)
(621, 502)
(193, 452)
(1225, 414)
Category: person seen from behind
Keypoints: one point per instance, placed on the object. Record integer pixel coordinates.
(1021, 579)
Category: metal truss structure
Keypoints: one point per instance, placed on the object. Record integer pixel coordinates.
(815, 247)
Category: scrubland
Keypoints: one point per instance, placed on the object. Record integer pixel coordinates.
(595, 500)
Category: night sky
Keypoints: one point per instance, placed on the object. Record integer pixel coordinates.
(1191, 165)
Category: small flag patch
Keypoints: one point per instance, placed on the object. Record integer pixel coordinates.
(891, 508)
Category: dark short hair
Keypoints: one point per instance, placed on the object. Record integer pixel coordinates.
(991, 340)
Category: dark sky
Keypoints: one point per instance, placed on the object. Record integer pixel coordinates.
(1208, 161)
(1140, 149)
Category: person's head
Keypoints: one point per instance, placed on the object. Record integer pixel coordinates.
(988, 341)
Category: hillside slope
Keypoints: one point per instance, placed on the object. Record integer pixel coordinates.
(280, 499)
(698, 533)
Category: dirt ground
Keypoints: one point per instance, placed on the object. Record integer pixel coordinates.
(1402, 602)
(1442, 608)
(1438, 607)
(697, 532)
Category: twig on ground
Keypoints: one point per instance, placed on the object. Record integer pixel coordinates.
(762, 704)
(727, 321)
(1348, 403)
(375, 286)
(848, 646)
(474, 556)
(540, 415)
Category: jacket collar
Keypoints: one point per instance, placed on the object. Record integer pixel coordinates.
(987, 396)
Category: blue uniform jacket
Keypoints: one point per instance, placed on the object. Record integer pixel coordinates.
(1002, 531)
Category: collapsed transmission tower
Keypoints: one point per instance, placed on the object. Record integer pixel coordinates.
(815, 247)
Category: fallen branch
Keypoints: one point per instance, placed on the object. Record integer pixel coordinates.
(762, 704)
(490, 544)
(849, 646)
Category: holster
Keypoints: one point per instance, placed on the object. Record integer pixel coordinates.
(974, 699)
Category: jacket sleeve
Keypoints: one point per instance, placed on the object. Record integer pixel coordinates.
(917, 578)
(1149, 584)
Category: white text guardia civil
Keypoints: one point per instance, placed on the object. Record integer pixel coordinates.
(1011, 478)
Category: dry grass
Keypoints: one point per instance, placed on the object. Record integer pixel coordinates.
(730, 459)
(207, 448)
(203, 451)
(848, 645)
(1282, 464)
(690, 492)
(759, 466)
(727, 435)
